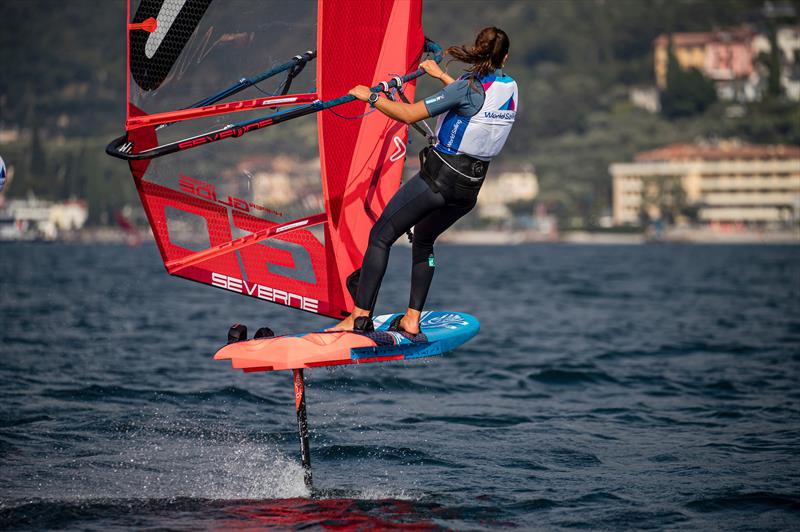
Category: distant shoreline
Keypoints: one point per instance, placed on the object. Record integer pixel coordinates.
(683, 236)
(489, 237)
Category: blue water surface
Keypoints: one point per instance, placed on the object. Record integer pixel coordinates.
(610, 388)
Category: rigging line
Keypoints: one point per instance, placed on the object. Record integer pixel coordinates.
(398, 89)
(430, 136)
(299, 60)
(270, 93)
(286, 85)
(244, 83)
(351, 117)
(122, 148)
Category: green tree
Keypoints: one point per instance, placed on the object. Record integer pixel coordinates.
(688, 92)
(37, 165)
(774, 88)
(665, 197)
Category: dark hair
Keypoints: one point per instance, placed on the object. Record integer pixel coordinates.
(488, 53)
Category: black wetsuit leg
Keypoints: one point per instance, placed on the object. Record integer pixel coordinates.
(426, 231)
(412, 203)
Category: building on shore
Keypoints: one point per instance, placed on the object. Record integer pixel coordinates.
(732, 59)
(724, 182)
(646, 98)
(501, 192)
(35, 219)
(788, 40)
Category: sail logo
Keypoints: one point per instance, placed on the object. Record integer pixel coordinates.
(451, 140)
(508, 115)
(401, 149)
(228, 131)
(208, 192)
(434, 99)
(266, 293)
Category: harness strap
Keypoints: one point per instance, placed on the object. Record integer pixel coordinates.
(471, 178)
(468, 169)
(425, 171)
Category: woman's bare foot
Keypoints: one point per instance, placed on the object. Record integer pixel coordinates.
(410, 321)
(348, 324)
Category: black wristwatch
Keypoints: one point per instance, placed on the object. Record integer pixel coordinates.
(373, 98)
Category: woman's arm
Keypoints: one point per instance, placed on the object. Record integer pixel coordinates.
(404, 112)
(435, 71)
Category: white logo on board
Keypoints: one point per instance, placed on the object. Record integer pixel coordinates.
(448, 321)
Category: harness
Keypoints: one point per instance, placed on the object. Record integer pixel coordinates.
(457, 177)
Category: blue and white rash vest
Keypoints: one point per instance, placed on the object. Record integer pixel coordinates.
(466, 128)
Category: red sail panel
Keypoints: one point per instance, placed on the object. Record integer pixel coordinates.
(248, 270)
(236, 215)
(361, 159)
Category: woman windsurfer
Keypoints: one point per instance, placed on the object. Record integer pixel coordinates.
(475, 113)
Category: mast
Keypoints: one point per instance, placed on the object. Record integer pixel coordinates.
(302, 424)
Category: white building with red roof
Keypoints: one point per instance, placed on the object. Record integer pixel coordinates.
(726, 182)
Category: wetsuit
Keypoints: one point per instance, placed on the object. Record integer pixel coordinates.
(475, 117)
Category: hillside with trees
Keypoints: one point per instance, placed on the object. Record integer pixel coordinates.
(62, 87)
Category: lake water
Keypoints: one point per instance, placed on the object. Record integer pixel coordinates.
(610, 388)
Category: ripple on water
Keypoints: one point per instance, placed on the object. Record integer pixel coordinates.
(611, 388)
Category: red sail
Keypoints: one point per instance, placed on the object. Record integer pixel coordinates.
(241, 214)
(362, 160)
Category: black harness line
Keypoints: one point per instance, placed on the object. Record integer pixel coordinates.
(429, 136)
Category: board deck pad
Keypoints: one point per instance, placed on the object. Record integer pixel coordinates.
(440, 332)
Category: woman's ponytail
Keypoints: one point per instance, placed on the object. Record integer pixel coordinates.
(488, 53)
